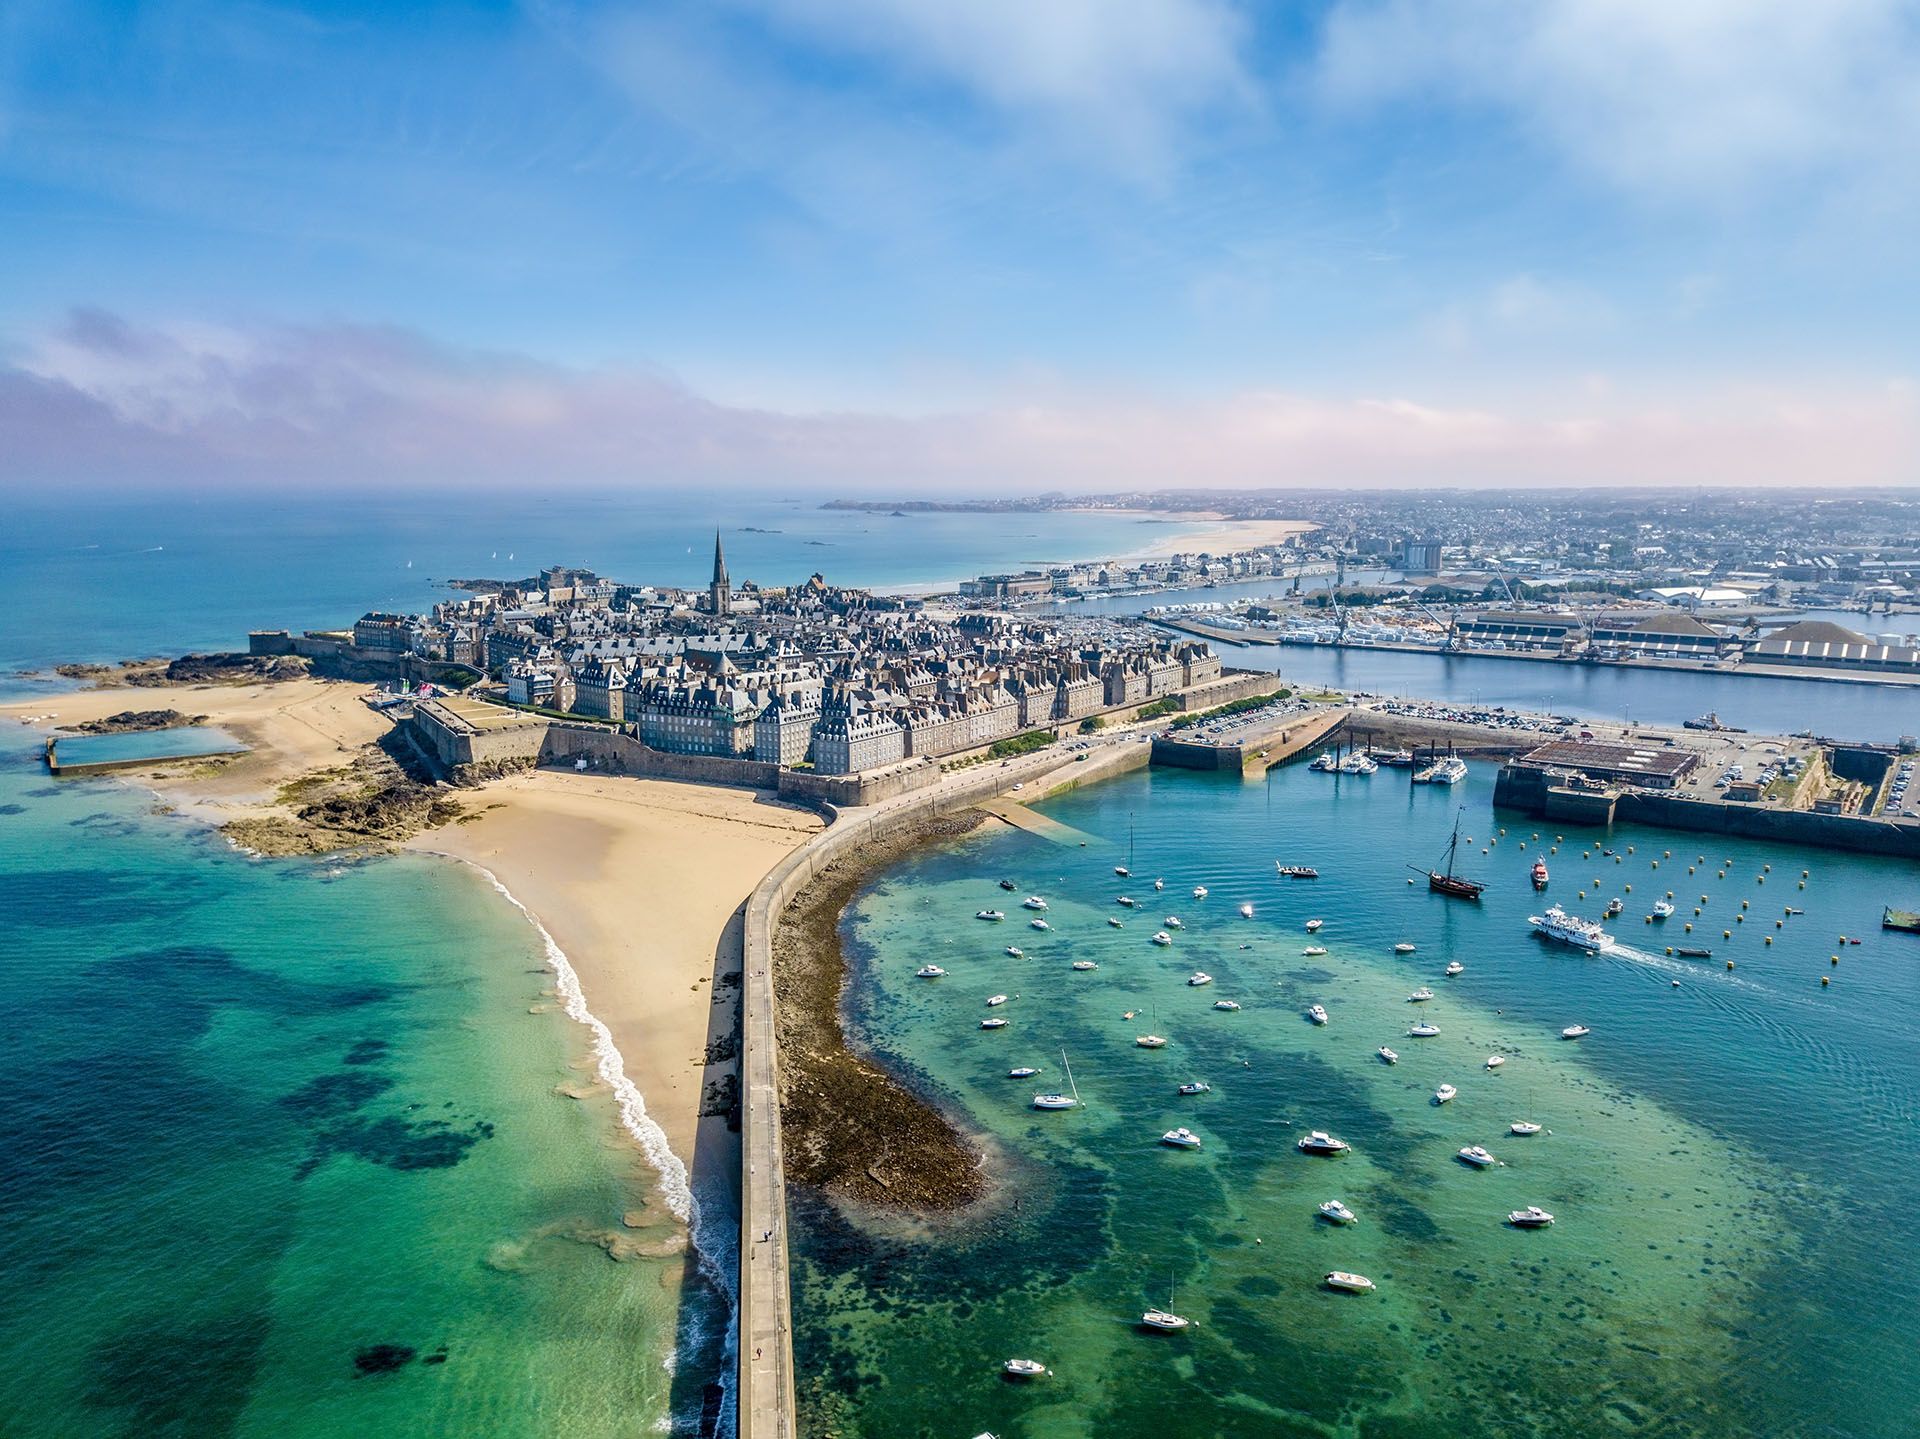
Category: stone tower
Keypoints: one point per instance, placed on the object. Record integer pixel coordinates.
(720, 592)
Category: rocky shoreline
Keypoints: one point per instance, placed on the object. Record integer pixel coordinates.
(234, 669)
(372, 800)
(909, 1157)
(135, 722)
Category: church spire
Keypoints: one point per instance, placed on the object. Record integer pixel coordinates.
(720, 592)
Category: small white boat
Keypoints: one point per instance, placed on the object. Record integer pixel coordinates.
(993, 1024)
(1321, 1142)
(1662, 909)
(1122, 871)
(1420, 995)
(1164, 1320)
(1172, 921)
(1033, 901)
(928, 971)
(1313, 925)
(1478, 1157)
(1151, 1041)
(1445, 1094)
(1162, 937)
(1115, 923)
(1246, 911)
(1403, 948)
(995, 1001)
(1159, 884)
(1423, 1031)
(1025, 1368)
(1125, 901)
(1388, 1056)
(1317, 1013)
(1040, 924)
(1060, 1101)
(1338, 1213)
(1182, 1138)
(1016, 951)
(1199, 891)
(1196, 1086)
(1025, 1071)
(1084, 965)
(1314, 951)
(1494, 1061)
(1525, 1128)
(1350, 1283)
(1198, 978)
(1532, 1217)
(1575, 1031)
(1455, 968)
(1226, 1004)
(991, 914)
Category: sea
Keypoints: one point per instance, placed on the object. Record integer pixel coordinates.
(313, 1147)
(1729, 1153)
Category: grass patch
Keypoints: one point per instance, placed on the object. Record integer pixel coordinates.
(1020, 744)
(1156, 708)
(1234, 707)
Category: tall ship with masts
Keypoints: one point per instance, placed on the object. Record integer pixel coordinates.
(1447, 881)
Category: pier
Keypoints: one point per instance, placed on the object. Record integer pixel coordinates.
(1253, 745)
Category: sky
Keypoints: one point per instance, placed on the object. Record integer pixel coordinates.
(907, 246)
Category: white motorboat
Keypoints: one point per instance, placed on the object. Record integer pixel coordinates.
(1663, 909)
(1161, 937)
(1123, 871)
(995, 1001)
(1199, 891)
(1317, 1013)
(1350, 1283)
(1084, 965)
(1575, 1031)
(1494, 1061)
(1403, 948)
(1338, 1213)
(1016, 951)
(1326, 762)
(1449, 770)
(1039, 924)
(1455, 969)
(1125, 901)
(1525, 1128)
(1313, 925)
(1151, 1041)
(1478, 1157)
(1159, 884)
(990, 914)
(1196, 1086)
(1556, 923)
(1025, 1368)
(1420, 995)
(1423, 1031)
(1314, 951)
(1033, 901)
(1358, 763)
(993, 1024)
(1321, 1142)
(1226, 1004)
(928, 971)
(1198, 978)
(1532, 1217)
(1172, 921)
(1182, 1138)
(1445, 1094)
(1025, 1071)
(1246, 911)
(1388, 1056)
(1115, 923)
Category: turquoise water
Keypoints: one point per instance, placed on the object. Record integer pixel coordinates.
(181, 743)
(1730, 1160)
(265, 1117)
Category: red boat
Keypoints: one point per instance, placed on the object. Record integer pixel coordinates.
(1539, 874)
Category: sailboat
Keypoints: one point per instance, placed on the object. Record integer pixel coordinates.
(1457, 885)
(1060, 1101)
(1525, 1128)
(1124, 870)
(1165, 1320)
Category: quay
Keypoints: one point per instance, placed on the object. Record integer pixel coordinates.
(1251, 745)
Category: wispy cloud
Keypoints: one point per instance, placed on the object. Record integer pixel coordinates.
(103, 402)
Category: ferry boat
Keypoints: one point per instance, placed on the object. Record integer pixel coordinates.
(1478, 1157)
(1556, 923)
(1663, 909)
(1024, 1369)
(1449, 770)
(928, 971)
(1540, 875)
(1445, 1094)
(1321, 1142)
(1532, 1217)
(1387, 1056)
(1295, 871)
(1350, 1283)
(1317, 1013)
(1458, 886)
(1196, 1086)
(1181, 1138)
(1336, 1212)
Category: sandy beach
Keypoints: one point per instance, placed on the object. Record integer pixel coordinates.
(1220, 535)
(641, 883)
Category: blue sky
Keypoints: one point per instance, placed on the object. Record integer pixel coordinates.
(914, 245)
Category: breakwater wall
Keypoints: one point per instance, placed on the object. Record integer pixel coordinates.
(1259, 747)
(765, 1392)
(1530, 791)
(80, 769)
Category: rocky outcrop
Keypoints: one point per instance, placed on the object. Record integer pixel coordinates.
(136, 722)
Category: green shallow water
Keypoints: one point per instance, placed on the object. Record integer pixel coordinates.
(265, 1116)
(1728, 1160)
